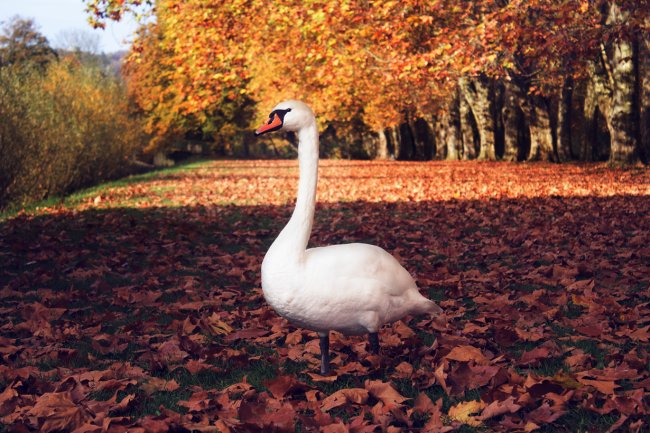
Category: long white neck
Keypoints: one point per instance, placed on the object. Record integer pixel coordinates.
(292, 241)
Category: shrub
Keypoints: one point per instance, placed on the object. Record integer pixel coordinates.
(62, 129)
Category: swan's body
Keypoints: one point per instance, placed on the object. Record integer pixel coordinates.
(352, 288)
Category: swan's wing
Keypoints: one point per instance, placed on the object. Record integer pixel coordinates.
(351, 305)
(358, 261)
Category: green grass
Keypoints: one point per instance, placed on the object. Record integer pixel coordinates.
(578, 420)
(546, 367)
(77, 197)
(593, 348)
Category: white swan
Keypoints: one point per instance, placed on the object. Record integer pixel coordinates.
(352, 288)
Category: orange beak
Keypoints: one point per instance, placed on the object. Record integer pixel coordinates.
(273, 124)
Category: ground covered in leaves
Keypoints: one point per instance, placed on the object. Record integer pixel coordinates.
(136, 306)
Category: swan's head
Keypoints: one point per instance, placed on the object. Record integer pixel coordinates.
(289, 116)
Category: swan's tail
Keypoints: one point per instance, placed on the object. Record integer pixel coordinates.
(423, 305)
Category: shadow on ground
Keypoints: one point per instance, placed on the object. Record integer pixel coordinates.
(553, 292)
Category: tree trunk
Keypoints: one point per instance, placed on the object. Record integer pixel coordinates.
(479, 95)
(369, 143)
(467, 129)
(578, 119)
(406, 143)
(588, 127)
(392, 141)
(382, 145)
(644, 98)
(449, 138)
(621, 118)
(441, 145)
(499, 94)
(538, 117)
(424, 140)
(563, 127)
(511, 118)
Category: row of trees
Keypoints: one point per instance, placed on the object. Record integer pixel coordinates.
(64, 118)
(497, 120)
(516, 79)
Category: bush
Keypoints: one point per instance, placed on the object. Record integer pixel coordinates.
(62, 129)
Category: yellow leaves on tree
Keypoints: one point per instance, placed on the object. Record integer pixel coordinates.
(349, 59)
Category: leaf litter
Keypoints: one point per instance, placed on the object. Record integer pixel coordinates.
(143, 311)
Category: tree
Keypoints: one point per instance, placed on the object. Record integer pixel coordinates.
(376, 60)
(21, 43)
(78, 41)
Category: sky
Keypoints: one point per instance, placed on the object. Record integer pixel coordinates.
(53, 17)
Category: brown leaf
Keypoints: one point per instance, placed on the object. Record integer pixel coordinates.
(641, 334)
(403, 370)
(385, 393)
(466, 354)
(57, 411)
(318, 378)
(244, 334)
(344, 396)
(497, 408)
(546, 414)
(294, 337)
(155, 384)
(8, 400)
(335, 428)
(151, 425)
(441, 377)
(534, 356)
(604, 386)
(423, 404)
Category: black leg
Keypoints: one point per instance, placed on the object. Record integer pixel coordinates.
(374, 343)
(325, 354)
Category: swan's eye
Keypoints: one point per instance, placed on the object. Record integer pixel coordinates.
(281, 113)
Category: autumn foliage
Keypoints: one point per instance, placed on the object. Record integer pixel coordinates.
(62, 127)
(137, 306)
(384, 63)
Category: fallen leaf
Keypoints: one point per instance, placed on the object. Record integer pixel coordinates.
(463, 412)
(466, 354)
(344, 396)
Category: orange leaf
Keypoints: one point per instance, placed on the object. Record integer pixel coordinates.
(344, 396)
(385, 393)
(466, 354)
